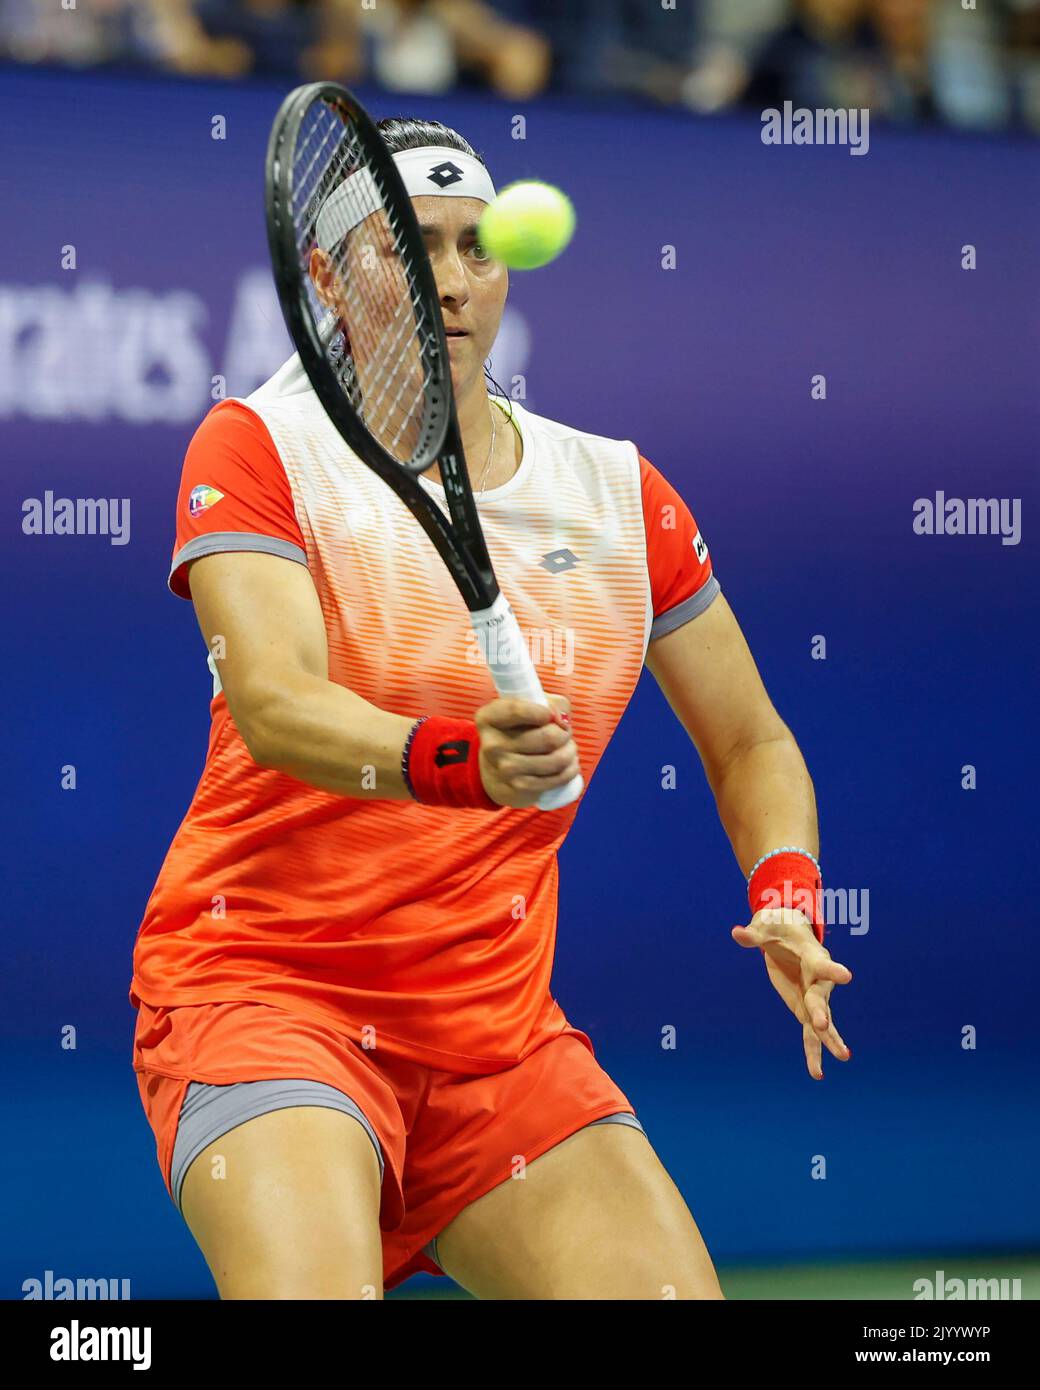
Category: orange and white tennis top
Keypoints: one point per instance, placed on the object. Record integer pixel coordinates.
(426, 931)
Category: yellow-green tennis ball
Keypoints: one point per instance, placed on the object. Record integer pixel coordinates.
(527, 225)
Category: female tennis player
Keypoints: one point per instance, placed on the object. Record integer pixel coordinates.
(346, 1044)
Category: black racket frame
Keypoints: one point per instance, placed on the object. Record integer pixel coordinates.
(461, 542)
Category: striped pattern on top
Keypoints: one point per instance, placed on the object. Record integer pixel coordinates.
(429, 930)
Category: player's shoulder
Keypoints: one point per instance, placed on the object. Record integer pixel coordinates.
(249, 426)
(581, 445)
(288, 386)
(231, 432)
(610, 459)
(231, 440)
(286, 398)
(226, 418)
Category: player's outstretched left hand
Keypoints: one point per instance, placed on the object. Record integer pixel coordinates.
(803, 974)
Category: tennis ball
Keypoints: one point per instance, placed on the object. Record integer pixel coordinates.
(527, 225)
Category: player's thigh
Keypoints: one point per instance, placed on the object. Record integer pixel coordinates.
(286, 1205)
(596, 1216)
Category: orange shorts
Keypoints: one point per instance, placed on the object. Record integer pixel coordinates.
(446, 1137)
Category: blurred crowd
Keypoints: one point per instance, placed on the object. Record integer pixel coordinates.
(967, 63)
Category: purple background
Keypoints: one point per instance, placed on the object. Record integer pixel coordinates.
(790, 262)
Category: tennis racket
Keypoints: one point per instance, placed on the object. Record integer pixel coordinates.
(361, 305)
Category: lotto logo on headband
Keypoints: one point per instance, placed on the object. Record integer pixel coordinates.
(444, 174)
(455, 174)
(202, 498)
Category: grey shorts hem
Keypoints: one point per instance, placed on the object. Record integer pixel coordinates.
(209, 1111)
(623, 1117)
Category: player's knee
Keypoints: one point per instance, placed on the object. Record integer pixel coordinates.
(680, 1274)
(707, 1288)
(352, 1283)
(278, 1258)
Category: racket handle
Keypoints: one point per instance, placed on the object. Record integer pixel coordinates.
(513, 672)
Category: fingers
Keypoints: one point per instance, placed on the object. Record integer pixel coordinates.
(824, 968)
(744, 936)
(811, 1040)
(813, 1052)
(528, 770)
(818, 1026)
(510, 727)
(804, 975)
(837, 1045)
(788, 932)
(792, 996)
(816, 1008)
(526, 748)
(814, 1044)
(512, 712)
(545, 739)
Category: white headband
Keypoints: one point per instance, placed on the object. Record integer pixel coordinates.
(433, 169)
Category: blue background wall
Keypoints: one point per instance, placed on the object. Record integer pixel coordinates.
(790, 262)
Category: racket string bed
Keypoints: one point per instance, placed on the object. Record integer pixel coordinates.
(390, 392)
(377, 409)
(394, 410)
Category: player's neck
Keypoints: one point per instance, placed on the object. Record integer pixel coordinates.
(478, 420)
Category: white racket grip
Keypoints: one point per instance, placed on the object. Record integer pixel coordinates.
(513, 672)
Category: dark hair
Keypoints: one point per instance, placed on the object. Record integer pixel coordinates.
(409, 133)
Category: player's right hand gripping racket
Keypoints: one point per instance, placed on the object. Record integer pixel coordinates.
(361, 304)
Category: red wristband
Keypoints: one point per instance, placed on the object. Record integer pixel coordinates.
(441, 763)
(789, 880)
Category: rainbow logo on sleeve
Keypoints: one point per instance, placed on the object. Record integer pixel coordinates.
(202, 498)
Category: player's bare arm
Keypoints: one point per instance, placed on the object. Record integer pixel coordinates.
(273, 666)
(764, 797)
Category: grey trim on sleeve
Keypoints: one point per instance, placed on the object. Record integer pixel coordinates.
(623, 1117)
(690, 607)
(216, 542)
